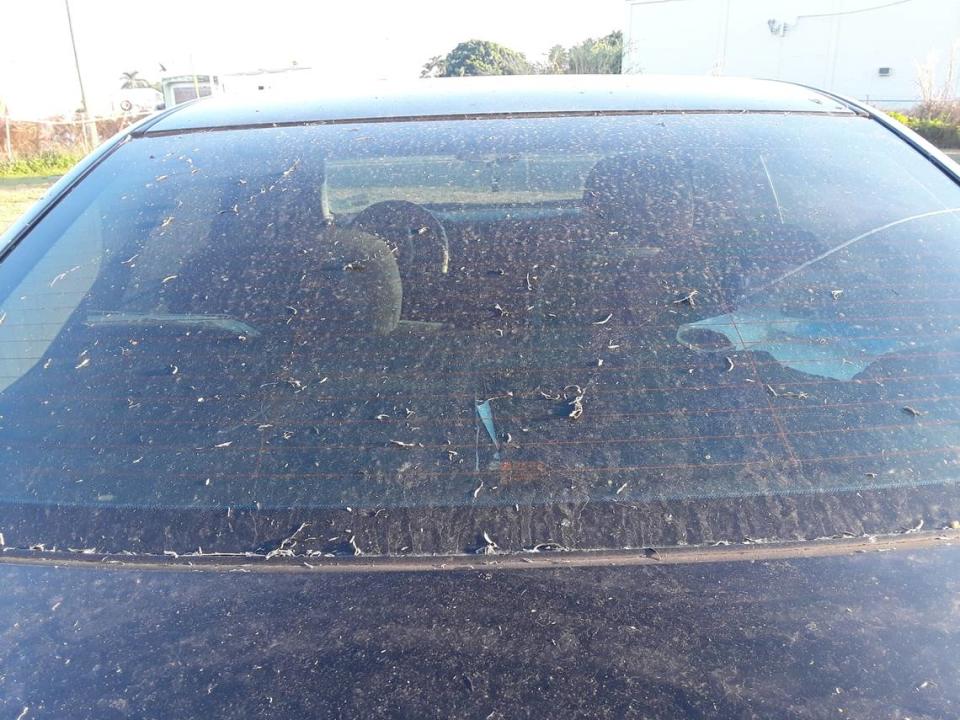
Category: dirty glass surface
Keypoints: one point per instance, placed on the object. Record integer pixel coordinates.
(500, 313)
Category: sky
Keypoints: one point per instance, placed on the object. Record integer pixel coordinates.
(345, 40)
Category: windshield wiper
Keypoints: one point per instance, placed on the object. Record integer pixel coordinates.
(223, 323)
(848, 243)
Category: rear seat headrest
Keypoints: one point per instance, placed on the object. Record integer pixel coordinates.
(650, 195)
(357, 282)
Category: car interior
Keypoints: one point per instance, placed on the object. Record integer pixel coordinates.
(409, 351)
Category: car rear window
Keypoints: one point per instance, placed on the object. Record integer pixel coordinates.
(494, 315)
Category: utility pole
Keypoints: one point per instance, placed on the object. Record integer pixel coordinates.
(8, 146)
(94, 139)
(196, 81)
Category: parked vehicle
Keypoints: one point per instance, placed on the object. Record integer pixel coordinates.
(137, 96)
(495, 398)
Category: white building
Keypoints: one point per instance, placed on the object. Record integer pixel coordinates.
(181, 88)
(286, 79)
(873, 50)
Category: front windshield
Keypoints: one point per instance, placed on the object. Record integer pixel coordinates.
(476, 335)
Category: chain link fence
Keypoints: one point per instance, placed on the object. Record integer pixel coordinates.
(24, 138)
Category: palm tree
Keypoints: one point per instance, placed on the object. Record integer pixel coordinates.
(557, 60)
(130, 80)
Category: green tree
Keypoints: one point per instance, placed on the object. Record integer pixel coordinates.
(558, 59)
(595, 57)
(435, 67)
(478, 57)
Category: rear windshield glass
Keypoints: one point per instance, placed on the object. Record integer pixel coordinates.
(491, 316)
(475, 179)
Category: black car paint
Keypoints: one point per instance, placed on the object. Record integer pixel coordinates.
(867, 635)
(512, 96)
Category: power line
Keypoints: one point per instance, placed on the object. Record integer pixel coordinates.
(816, 15)
(856, 12)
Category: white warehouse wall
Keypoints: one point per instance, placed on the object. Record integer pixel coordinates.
(836, 45)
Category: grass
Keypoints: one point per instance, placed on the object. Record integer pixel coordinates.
(17, 194)
(45, 164)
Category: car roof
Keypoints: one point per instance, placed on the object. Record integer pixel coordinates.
(498, 96)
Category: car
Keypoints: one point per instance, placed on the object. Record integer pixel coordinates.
(140, 97)
(608, 397)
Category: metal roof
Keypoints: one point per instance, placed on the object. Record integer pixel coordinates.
(498, 96)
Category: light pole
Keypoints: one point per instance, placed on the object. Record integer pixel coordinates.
(94, 139)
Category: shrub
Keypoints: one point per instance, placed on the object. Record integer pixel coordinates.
(49, 162)
(945, 109)
(942, 132)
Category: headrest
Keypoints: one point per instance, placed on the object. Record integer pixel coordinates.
(332, 283)
(650, 195)
(357, 283)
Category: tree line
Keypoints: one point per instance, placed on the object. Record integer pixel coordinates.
(483, 57)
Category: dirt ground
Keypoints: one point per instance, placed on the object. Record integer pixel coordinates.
(17, 194)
